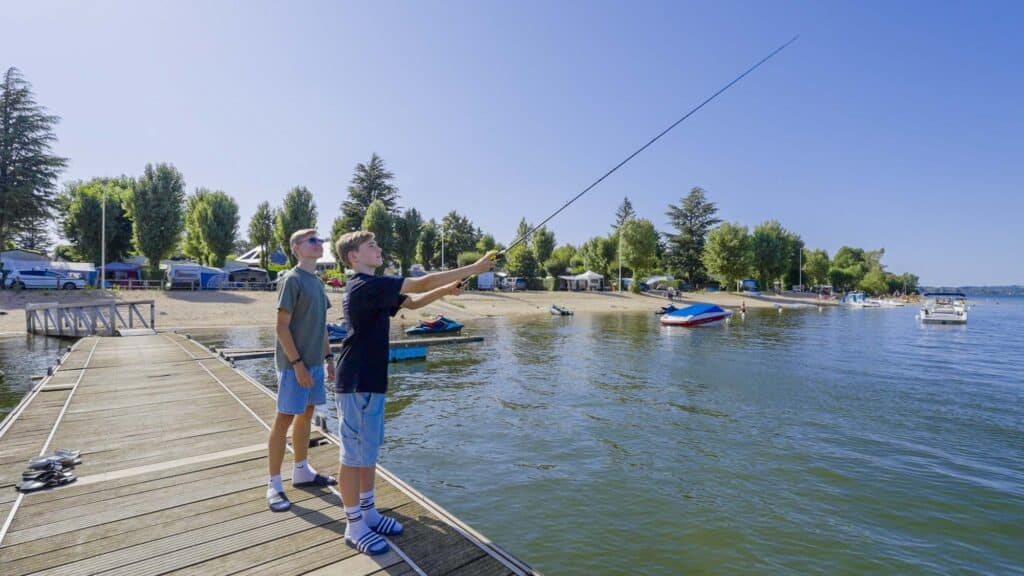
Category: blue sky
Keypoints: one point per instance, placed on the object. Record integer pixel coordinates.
(883, 126)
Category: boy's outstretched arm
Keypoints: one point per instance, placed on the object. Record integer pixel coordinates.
(414, 301)
(438, 279)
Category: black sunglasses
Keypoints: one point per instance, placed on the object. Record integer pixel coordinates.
(314, 240)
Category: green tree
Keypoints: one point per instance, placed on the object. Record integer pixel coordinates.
(543, 243)
(64, 252)
(905, 283)
(298, 211)
(80, 207)
(772, 250)
(692, 219)
(561, 262)
(370, 181)
(793, 266)
(407, 236)
(379, 221)
(875, 281)
(597, 255)
(192, 244)
(426, 248)
(816, 267)
(520, 260)
(157, 211)
(218, 226)
(261, 231)
(485, 243)
(639, 248)
(33, 235)
(459, 236)
(467, 258)
(624, 214)
(28, 169)
(851, 265)
(728, 254)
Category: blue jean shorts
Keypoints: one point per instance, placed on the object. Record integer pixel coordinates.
(361, 427)
(292, 398)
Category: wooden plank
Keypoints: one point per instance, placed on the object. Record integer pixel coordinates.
(196, 546)
(71, 547)
(299, 552)
(436, 546)
(362, 564)
(484, 566)
(330, 550)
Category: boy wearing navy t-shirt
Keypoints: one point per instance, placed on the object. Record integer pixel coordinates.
(362, 377)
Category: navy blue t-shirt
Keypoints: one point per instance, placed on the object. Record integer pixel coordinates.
(369, 303)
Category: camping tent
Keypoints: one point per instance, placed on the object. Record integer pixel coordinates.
(586, 281)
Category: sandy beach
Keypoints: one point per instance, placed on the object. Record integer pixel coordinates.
(176, 310)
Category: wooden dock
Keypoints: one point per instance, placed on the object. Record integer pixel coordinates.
(173, 477)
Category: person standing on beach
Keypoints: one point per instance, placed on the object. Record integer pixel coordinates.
(362, 375)
(301, 352)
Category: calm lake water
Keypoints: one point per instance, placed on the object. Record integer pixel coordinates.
(21, 358)
(835, 441)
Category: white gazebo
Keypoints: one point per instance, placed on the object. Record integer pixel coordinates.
(586, 281)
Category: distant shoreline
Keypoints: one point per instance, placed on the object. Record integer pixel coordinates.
(183, 310)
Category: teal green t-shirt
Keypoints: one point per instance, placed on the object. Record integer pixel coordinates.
(302, 295)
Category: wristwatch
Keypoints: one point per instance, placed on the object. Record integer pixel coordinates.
(296, 361)
(329, 357)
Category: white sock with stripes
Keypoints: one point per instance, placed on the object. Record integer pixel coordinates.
(375, 520)
(356, 527)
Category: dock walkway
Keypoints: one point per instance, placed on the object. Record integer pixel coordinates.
(173, 477)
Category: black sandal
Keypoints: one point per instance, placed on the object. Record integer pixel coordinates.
(318, 481)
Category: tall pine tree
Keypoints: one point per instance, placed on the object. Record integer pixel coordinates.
(371, 181)
(28, 169)
(692, 219)
(624, 214)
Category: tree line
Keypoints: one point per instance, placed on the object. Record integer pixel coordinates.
(153, 215)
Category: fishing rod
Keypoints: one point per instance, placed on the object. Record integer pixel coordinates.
(524, 237)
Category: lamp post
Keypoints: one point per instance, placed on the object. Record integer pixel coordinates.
(442, 245)
(103, 235)
(619, 255)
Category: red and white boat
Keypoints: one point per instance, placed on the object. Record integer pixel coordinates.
(696, 315)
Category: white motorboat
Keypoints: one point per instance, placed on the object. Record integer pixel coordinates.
(857, 300)
(696, 315)
(944, 308)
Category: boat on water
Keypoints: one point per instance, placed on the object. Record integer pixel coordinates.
(858, 300)
(336, 332)
(944, 308)
(666, 309)
(438, 325)
(696, 315)
(557, 310)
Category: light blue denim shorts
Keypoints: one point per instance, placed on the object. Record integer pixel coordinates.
(361, 427)
(292, 398)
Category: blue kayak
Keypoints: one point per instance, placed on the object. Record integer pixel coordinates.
(336, 332)
(439, 325)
